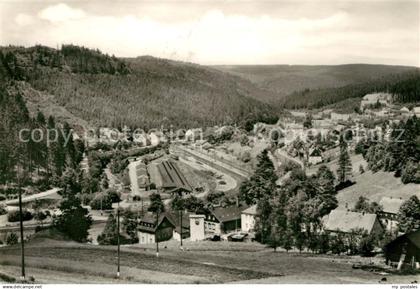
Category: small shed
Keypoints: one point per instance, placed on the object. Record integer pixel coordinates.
(405, 249)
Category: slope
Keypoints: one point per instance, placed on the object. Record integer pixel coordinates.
(286, 79)
(144, 92)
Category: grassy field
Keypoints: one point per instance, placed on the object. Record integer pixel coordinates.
(356, 161)
(51, 261)
(374, 186)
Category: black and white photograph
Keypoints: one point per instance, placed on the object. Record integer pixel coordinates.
(209, 143)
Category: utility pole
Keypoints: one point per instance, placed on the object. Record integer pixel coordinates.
(180, 228)
(156, 236)
(21, 228)
(118, 240)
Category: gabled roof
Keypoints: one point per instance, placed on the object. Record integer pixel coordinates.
(413, 237)
(174, 216)
(315, 153)
(391, 205)
(172, 177)
(148, 222)
(226, 214)
(345, 221)
(251, 210)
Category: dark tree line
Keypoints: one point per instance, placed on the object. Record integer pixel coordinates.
(290, 214)
(405, 87)
(31, 151)
(399, 154)
(143, 92)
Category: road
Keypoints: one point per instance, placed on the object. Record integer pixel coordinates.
(133, 177)
(50, 194)
(113, 181)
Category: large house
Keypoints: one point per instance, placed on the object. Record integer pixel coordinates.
(375, 98)
(389, 213)
(248, 218)
(151, 230)
(342, 221)
(220, 220)
(404, 250)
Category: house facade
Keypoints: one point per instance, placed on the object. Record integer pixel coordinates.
(150, 230)
(218, 221)
(248, 219)
(389, 213)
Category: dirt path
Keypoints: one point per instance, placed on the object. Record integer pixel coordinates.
(53, 193)
(133, 177)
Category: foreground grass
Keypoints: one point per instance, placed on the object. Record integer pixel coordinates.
(201, 262)
(101, 261)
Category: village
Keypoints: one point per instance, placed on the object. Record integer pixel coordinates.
(203, 170)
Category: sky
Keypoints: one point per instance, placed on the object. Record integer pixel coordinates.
(224, 32)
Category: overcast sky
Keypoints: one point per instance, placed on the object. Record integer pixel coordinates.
(224, 32)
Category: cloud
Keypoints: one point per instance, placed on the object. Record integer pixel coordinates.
(23, 19)
(60, 13)
(218, 36)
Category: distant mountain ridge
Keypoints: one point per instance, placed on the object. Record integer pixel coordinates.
(82, 85)
(143, 92)
(286, 79)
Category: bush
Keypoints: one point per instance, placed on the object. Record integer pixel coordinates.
(11, 239)
(3, 209)
(2, 198)
(114, 196)
(366, 245)
(15, 216)
(101, 201)
(86, 198)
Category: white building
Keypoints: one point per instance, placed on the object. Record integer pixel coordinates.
(340, 116)
(197, 227)
(389, 212)
(248, 218)
(374, 98)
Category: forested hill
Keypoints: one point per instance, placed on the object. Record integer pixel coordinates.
(287, 79)
(405, 88)
(142, 92)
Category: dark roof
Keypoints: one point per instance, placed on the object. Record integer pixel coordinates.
(174, 216)
(148, 222)
(172, 177)
(315, 153)
(409, 242)
(253, 210)
(230, 213)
